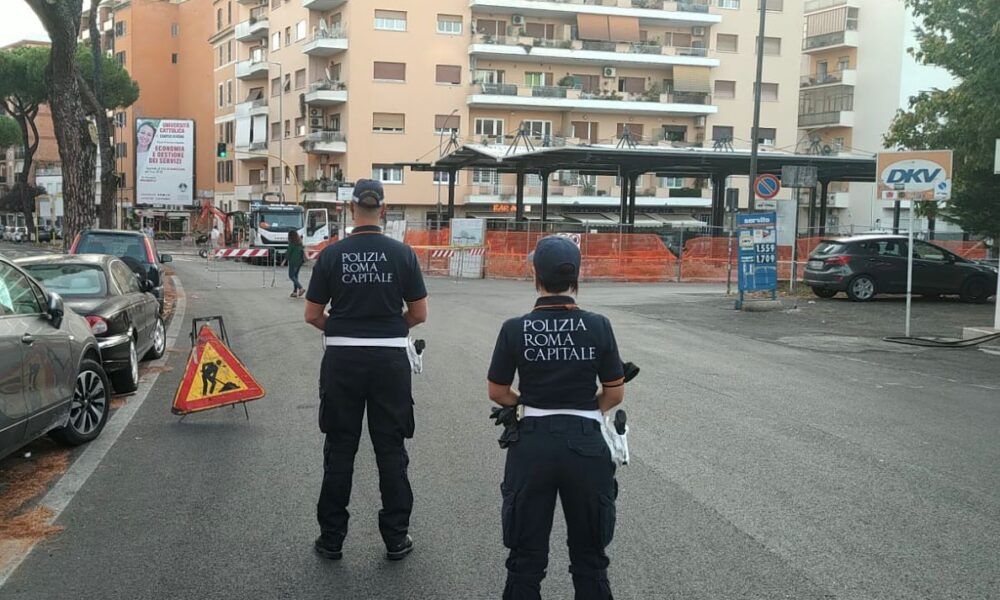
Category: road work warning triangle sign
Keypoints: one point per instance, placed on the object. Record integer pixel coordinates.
(214, 377)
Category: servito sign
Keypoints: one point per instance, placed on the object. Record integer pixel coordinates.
(920, 176)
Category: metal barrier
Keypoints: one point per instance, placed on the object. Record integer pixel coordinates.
(243, 260)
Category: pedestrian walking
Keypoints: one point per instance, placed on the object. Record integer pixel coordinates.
(559, 353)
(366, 279)
(216, 237)
(296, 256)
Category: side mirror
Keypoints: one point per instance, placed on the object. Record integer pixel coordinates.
(56, 309)
(165, 258)
(145, 284)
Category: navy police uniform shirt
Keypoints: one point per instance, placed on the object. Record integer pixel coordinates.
(366, 278)
(559, 353)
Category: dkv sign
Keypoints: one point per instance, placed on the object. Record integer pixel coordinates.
(919, 176)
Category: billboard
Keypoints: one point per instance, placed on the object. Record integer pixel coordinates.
(923, 176)
(164, 161)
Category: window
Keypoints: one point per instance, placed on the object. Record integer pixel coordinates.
(229, 91)
(300, 31)
(585, 130)
(229, 12)
(772, 46)
(489, 127)
(119, 28)
(722, 132)
(635, 129)
(229, 51)
(300, 173)
(286, 85)
(447, 124)
(387, 173)
(275, 41)
(537, 129)
(769, 92)
(222, 95)
(288, 176)
(288, 128)
(175, 30)
(672, 183)
(275, 87)
(16, 295)
(843, 63)
(121, 150)
(449, 24)
(275, 175)
(300, 126)
(725, 89)
(120, 120)
(300, 79)
(390, 20)
(288, 35)
(632, 85)
(534, 79)
(218, 19)
(546, 31)
(491, 27)
(725, 42)
(727, 3)
(120, 57)
(449, 74)
(390, 71)
(930, 252)
(488, 76)
(389, 122)
(674, 133)
(224, 171)
(276, 131)
(765, 135)
(173, 58)
(485, 176)
(443, 178)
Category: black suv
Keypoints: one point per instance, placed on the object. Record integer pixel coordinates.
(864, 266)
(135, 249)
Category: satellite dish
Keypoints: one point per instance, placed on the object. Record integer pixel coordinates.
(827, 150)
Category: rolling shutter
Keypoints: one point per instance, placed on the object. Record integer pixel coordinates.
(691, 79)
(592, 27)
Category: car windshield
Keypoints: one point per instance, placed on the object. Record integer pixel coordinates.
(71, 281)
(116, 245)
(283, 221)
(826, 248)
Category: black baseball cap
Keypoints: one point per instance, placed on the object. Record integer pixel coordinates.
(368, 192)
(556, 258)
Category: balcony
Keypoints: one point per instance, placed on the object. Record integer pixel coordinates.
(252, 151)
(849, 38)
(327, 43)
(492, 95)
(252, 69)
(830, 118)
(322, 5)
(252, 107)
(326, 93)
(846, 77)
(254, 28)
(601, 192)
(108, 25)
(325, 142)
(252, 192)
(569, 52)
(811, 6)
(650, 12)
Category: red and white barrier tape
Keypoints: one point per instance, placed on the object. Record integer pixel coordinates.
(450, 252)
(242, 253)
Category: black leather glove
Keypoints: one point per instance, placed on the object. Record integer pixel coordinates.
(630, 371)
(505, 416)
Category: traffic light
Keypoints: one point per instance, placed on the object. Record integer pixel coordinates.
(221, 150)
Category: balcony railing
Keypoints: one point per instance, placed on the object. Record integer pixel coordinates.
(593, 46)
(817, 119)
(338, 33)
(327, 86)
(257, 146)
(827, 39)
(814, 5)
(821, 79)
(696, 6)
(576, 93)
(326, 137)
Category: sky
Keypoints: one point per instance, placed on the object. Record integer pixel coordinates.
(19, 23)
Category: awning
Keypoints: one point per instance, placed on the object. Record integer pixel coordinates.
(489, 215)
(691, 79)
(680, 221)
(644, 220)
(592, 218)
(592, 27)
(623, 29)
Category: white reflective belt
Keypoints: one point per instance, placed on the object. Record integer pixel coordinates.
(531, 411)
(367, 342)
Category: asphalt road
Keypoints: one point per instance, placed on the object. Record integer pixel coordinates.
(763, 466)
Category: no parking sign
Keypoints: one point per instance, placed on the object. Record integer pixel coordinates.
(766, 186)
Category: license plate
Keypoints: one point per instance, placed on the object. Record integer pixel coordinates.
(816, 265)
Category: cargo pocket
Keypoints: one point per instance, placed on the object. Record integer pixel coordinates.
(409, 421)
(508, 516)
(607, 519)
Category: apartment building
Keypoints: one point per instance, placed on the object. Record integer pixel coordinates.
(856, 74)
(308, 92)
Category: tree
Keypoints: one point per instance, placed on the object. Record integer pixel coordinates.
(15, 199)
(10, 133)
(22, 90)
(61, 19)
(962, 37)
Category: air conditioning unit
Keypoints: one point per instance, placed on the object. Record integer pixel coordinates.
(699, 122)
(698, 31)
(610, 72)
(316, 122)
(517, 19)
(313, 112)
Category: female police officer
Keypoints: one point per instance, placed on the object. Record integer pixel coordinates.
(559, 352)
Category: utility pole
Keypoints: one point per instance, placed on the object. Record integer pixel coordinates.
(755, 146)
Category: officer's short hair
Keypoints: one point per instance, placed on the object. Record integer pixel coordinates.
(564, 279)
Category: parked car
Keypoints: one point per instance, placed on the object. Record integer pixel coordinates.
(20, 234)
(136, 249)
(8, 233)
(864, 266)
(51, 378)
(44, 235)
(122, 313)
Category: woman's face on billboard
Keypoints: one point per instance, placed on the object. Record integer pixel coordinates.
(145, 137)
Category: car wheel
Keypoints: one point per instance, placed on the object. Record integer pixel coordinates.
(90, 408)
(861, 288)
(126, 380)
(159, 341)
(824, 292)
(975, 291)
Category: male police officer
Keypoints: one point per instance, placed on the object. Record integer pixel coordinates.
(366, 279)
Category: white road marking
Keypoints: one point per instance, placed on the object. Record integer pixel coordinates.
(62, 493)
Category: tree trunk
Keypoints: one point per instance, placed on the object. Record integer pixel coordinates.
(26, 200)
(109, 179)
(61, 19)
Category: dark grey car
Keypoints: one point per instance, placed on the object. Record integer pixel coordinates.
(864, 266)
(51, 378)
